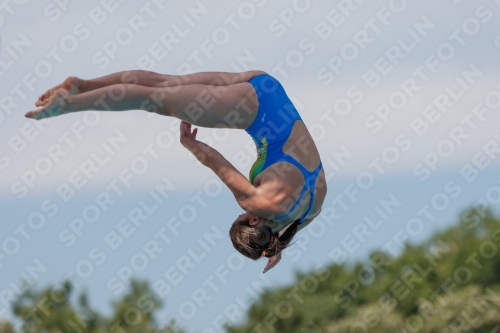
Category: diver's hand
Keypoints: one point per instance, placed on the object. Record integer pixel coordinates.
(199, 149)
(188, 138)
(271, 262)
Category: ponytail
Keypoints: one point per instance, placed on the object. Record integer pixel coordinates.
(252, 242)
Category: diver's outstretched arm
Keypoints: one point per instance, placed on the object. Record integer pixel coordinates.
(250, 198)
(243, 191)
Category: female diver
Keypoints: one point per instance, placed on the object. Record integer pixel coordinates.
(286, 186)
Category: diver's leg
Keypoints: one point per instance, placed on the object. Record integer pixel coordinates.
(232, 106)
(71, 84)
(152, 79)
(210, 78)
(149, 79)
(75, 85)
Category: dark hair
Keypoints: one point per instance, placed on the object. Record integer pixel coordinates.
(252, 241)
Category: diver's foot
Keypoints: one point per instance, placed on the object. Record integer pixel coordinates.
(71, 85)
(56, 105)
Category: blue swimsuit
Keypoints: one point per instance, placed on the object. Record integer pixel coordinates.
(270, 130)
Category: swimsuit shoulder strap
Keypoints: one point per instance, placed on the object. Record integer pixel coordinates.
(309, 178)
(312, 180)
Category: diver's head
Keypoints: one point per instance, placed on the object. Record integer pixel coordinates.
(252, 236)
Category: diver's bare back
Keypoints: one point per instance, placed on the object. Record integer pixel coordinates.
(287, 180)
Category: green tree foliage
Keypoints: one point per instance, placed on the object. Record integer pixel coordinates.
(426, 288)
(50, 311)
(6, 328)
(450, 283)
(469, 309)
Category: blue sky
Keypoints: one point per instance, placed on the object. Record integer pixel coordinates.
(455, 89)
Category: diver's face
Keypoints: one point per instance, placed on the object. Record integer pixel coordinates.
(253, 220)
